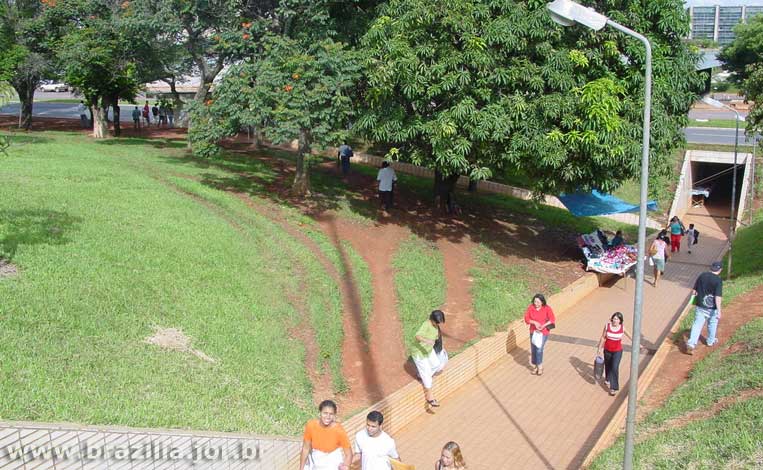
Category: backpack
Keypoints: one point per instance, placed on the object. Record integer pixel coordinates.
(696, 236)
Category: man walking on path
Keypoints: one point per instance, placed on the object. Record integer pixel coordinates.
(374, 447)
(386, 178)
(136, 119)
(345, 153)
(708, 292)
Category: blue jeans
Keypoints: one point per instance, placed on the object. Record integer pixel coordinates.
(345, 164)
(702, 315)
(537, 353)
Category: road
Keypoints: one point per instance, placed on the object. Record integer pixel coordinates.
(699, 135)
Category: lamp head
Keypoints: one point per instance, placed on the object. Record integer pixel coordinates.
(712, 102)
(567, 13)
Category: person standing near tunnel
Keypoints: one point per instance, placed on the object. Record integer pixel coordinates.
(676, 233)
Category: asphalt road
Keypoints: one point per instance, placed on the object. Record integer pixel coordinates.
(700, 135)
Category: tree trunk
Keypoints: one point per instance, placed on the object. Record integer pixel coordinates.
(256, 137)
(25, 89)
(301, 185)
(117, 127)
(100, 124)
(444, 190)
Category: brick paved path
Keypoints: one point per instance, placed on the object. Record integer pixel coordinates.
(509, 419)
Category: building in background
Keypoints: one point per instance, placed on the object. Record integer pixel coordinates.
(714, 20)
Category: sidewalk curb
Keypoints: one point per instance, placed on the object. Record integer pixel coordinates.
(616, 425)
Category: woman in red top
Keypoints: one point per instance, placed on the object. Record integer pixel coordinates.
(612, 337)
(541, 318)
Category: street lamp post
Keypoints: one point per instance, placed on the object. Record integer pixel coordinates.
(567, 13)
(733, 218)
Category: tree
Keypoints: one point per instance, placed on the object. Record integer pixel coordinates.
(102, 53)
(472, 86)
(744, 58)
(25, 54)
(293, 92)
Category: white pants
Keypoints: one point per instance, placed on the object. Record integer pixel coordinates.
(318, 460)
(430, 365)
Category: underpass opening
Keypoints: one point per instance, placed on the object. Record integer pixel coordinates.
(716, 179)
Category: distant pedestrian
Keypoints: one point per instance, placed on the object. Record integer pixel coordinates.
(429, 355)
(386, 178)
(325, 445)
(676, 232)
(708, 294)
(541, 319)
(136, 118)
(147, 114)
(692, 237)
(374, 447)
(345, 153)
(451, 458)
(162, 116)
(155, 113)
(611, 345)
(84, 122)
(617, 240)
(658, 253)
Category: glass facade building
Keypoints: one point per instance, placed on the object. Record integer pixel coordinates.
(714, 20)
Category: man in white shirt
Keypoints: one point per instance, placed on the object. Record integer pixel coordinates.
(386, 179)
(374, 447)
(83, 119)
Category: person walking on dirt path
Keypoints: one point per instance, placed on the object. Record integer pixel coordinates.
(429, 355)
(692, 237)
(676, 232)
(162, 116)
(146, 114)
(84, 122)
(345, 153)
(541, 319)
(708, 294)
(611, 345)
(658, 253)
(373, 447)
(325, 445)
(170, 116)
(451, 458)
(136, 119)
(386, 178)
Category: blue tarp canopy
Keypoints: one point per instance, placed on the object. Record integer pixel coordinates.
(596, 203)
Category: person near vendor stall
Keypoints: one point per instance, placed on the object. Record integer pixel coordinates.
(658, 253)
(617, 240)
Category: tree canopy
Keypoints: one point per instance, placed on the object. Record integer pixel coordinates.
(472, 86)
(744, 57)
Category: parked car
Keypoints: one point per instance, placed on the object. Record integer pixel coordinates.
(56, 87)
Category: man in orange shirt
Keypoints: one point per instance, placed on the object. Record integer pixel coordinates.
(325, 445)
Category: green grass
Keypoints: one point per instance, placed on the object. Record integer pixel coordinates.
(419, 284)
(500, 291)
(723, 123)
(115, 238)
(731, 438)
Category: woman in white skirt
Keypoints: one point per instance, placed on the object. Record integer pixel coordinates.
(429, 355)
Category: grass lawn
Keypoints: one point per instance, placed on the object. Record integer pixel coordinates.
(114, 239)
(419, 284)
(500, 291)
(724, 123)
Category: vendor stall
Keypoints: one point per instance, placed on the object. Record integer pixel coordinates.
(699, 194)
(604, 259)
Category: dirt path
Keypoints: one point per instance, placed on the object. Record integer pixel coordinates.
(461, 327)
(677, 367)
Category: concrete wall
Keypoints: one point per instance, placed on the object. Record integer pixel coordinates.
(682, 198)
(108, 447)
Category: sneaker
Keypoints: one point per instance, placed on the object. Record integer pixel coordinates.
(690, 350)
(710, 345)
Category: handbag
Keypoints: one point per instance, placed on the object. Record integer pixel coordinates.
(537, 339)
(598, 367)
(652, 250)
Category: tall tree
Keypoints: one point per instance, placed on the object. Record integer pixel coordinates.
(472, 86)
(26, 56)
(744, 57)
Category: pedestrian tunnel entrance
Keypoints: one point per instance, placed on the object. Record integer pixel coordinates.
(707, 179)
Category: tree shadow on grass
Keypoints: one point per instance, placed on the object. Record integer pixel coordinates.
(508, 226)
(34, 227)
(154, 142)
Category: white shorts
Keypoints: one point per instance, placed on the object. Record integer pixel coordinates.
(430, 365)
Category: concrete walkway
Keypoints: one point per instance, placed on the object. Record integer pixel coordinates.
(508, 418)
